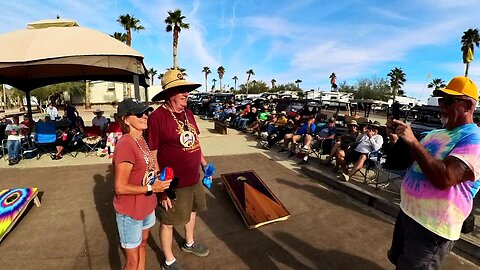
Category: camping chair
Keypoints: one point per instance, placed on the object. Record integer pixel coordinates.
(74, 145)
(382, 176)
(322, 147)
(92, 140)
(45, 137)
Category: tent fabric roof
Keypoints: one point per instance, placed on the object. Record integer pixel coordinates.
(52, 51)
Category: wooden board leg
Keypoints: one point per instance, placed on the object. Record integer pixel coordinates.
(36, 200)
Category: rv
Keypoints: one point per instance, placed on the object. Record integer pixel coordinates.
(332, 99)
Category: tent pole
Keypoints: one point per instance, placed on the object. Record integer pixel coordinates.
(136, 86)
(29, 104)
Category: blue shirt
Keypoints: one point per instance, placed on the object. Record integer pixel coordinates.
(303, 129)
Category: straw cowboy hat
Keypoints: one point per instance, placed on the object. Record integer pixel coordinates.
(375, 124)
(353, 123)
(173, 80)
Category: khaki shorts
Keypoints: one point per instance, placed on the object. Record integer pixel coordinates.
(189, 199)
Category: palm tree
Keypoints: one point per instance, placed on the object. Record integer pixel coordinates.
(129, 22)
(122, 37)
(152, 72)
(235, 78)
(207, 71)
(397, 78)
(298, 83)
(213, 86)
(182, 70)
(273, 81)
(470, 39)
(221, 72)
(249, 73)
(437, 84)
(175, 24)
(160, 76)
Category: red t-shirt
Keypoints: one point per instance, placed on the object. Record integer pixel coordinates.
(136, 206)
(163, 135)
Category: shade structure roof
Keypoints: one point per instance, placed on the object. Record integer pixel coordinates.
(54, 51)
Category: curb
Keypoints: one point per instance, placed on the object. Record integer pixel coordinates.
(381, 204)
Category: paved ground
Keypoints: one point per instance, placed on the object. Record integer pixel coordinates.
(75, 226)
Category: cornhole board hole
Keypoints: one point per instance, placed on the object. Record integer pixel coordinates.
(13, 202)
(256, 203)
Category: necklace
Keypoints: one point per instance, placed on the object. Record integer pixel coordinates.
(187, 137)
(148, 157)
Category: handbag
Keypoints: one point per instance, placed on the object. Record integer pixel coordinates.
(469, 224)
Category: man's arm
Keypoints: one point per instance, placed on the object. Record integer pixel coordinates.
(441, 173)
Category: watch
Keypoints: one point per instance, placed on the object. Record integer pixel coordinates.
(149, 190)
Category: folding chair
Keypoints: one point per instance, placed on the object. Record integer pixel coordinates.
(45, 137)
(375, 162)
(322, 147)
(92, 140)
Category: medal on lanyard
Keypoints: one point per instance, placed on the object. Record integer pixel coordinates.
(187, 139)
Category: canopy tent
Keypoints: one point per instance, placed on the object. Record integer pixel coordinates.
(54, 51)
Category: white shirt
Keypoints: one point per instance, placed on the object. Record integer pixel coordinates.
(17, 130)
(100, 122)
(53, 112)
(368, 145)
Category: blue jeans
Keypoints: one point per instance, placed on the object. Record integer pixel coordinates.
(130, 230)
(13, 147)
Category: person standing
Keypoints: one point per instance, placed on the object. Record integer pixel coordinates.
(173, 137)
(71, 113)
(52, 111)
(438, 189)
(134, 166)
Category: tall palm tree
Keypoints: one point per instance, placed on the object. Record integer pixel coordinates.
(214, 82)
(397, 78)
(298, 81)
(152, 72)
(235, 79)
(130, 23)
(437, 84)
(122, 37)
(182, 70)
(160, 76)
(221, 72)
(470, 39)
(175, 24)
(207, 71)
(249, 73)
(273, 81)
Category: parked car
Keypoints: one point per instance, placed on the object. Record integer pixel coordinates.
(423, 119)
(198, 103)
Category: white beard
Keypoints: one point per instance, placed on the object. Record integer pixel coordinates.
(443, 120)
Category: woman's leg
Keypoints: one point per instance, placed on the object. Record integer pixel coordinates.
(142, 248)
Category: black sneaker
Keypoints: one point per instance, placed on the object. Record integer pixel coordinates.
(173, 266)
(11, 162)
(283, 150)
(197, 249)
(292, 154)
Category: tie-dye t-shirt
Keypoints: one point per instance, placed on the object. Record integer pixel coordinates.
(443, 211)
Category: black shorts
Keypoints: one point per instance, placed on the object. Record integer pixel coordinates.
(415, 247)
(352, 155)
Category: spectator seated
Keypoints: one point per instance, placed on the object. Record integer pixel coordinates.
(322, 138)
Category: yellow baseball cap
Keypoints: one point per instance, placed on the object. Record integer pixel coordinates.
(459, 86)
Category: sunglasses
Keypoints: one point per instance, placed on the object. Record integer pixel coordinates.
(448, 101)
(140, 115)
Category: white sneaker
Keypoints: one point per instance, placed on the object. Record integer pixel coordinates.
(345, 177)
(263, 135)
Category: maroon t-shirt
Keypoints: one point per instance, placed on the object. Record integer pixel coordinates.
(136, 206)
(163, 135)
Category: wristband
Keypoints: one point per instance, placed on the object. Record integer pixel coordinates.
(149, 190)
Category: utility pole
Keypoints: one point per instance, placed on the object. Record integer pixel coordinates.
(4, 92)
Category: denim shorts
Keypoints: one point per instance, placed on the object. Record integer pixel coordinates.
(130, 230)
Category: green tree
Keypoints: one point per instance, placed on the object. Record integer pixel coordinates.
(437, 84)
(152, 72)
(182, 70)
(298, 81)
(221, 72)
(397, 78)
(470, 39)
(122, 37)
(372, 88)
(207, 71)
(273, 81)
(249, 74)
(235, 79)
(255, 88)
(54, 92)
(214, 81)
(175, 24)
(130, 23)
(344, 87)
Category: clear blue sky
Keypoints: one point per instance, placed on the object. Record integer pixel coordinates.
(285, 40)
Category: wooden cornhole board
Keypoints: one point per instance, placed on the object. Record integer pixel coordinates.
(13, 202)
(256, 203)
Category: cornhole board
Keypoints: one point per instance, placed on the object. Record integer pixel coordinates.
(13, 202)
(256, 203)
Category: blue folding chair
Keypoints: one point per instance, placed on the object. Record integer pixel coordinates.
(45, 137)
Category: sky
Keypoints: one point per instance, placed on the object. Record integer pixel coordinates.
(284, 40)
